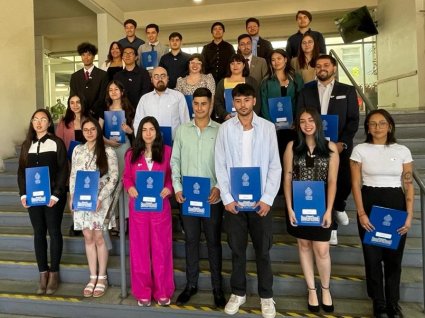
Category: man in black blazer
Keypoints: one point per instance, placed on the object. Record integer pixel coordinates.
(90, 82)
(260, 47)
(334, 98)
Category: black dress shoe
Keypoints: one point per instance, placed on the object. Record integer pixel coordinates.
(394, 311)
(186, 294)
(327, 308)
(219, 300)
(379, 311)
(312, 308)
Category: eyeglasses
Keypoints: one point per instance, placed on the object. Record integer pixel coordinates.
(381, 124)
(195, 63)
(40, 120)
(159, 76)
(128, 53)
(86, 130)
(307, 42)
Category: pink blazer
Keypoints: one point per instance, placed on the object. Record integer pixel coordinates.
(64, 133)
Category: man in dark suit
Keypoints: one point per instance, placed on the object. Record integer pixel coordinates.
(90, 81)
(334, 98)
(260, 47)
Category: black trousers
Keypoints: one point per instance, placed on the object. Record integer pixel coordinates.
(212, 229)
(383, 265)
(43, 220)
(260, 229)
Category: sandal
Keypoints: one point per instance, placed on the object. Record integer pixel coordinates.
(100, 288)
(88, 290)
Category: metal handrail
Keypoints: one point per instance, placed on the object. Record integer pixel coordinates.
(397, 77)
(369, 107)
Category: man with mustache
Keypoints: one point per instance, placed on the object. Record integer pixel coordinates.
(334, 98)
(168, 106)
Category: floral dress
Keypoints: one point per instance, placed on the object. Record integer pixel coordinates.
(84, 159)
(207, 80)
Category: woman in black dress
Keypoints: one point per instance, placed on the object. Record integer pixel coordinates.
(312, 158)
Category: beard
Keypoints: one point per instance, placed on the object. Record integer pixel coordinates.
(160, 86)
(324, 75)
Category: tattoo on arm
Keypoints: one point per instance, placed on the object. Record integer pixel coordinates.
(407, 177)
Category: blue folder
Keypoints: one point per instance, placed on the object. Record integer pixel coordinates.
(245, 185)
(196, 191)
(86, 191)
(37, 181)
(166, 135)
(150, 60)
(149, 185)
(280, 110)
(72, 145)
(309, 202)
(386, 222)
(330, 127)
(112, 127)
(189, 100)
(228, 100)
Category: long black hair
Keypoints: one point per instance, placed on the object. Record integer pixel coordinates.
(300, 145)
(140, 146)
(289, 70)
(69, 114)
(99, 147)
(238, 58)
(109, 57)
(391, 126)
(125, 102)
(302, 62)
(32, 136)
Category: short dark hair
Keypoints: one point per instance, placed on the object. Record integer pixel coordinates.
(175, 35)
(243, 36)
(218, 23)
(243, 89)
(130, 21)
(391, 132)
(252, 20)
(238, 58)
(200, 57)
(305, 12)
(152, 26)
(202, 92)
(327, 57)
(87, 47)
(130, 47)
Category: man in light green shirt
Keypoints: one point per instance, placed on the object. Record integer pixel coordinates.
(193, 155)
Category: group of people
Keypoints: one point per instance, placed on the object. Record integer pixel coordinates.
(211, 143)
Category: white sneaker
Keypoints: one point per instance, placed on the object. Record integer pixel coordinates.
(267, 308)
(232, 306)
(342, 217)
(334, 238)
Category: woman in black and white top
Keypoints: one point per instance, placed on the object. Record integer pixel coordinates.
(42, 148)
(385, 170)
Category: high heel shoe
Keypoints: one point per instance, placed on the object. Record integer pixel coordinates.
(327, 308)
(312, 308)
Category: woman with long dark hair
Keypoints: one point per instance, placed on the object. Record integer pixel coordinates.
(94, 156)
(381, 174)
(305, 63)
(150, 233)
(114, 62)
(312, 158)
(42, 148)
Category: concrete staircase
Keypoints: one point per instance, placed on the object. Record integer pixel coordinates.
(19, 275)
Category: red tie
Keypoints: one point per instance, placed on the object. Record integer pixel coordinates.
(87, 75)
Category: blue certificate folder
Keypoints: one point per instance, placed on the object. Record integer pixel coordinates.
(228, 100)
(113, 122)
(245, 184)
(309, 202)
(37, 180)
(166, 135)
(330, 127)
(149, 185)
(189, 100)
(150, 60)
(386, 222)
(86, 191)
(196, 190)
(72, 145)
(280, 109)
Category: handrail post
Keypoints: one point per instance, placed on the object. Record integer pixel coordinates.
(122, 245)
(422, 192)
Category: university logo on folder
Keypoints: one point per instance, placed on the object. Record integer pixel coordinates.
(280, 109)
(113, 121)
(189, 100)
(72, 145)
(166, 135)
(150, 60)
(330, 127)
(228, 100)
(86, 190)
(196, 191)
(309, 202)
(37, 181)
(149, 185)
(245, 184)
(386, 222)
